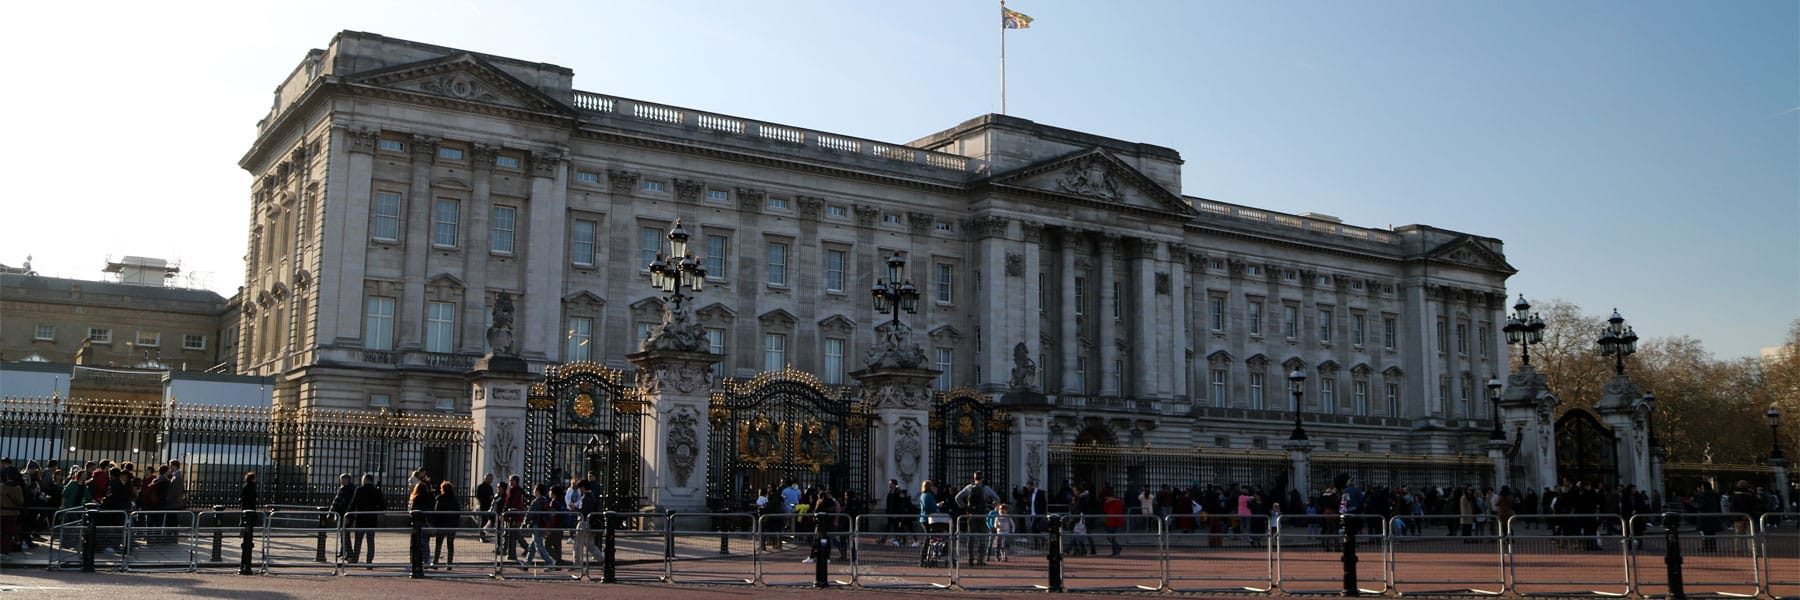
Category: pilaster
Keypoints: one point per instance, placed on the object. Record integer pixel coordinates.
(1068, 334)
(409, 315)
(544, 273)
(676, 388)
(1107, 248)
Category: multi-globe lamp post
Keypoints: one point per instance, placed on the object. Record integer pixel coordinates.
(1774, 416)
(895, 294)
(677, 270)
(1618, 341)
(1297, 383)
(1524, 328)
(1493, 386)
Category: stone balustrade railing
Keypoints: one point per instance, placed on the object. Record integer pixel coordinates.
(1295, 222)
(752, 130)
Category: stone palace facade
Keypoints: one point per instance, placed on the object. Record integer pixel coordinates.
(400, 186)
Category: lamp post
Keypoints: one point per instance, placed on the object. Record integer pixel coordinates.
(1524, 328)
(1297, 381)
(1618, 341)
(676, 270)
(1493, 386)
(896, 293)
(1774, 415)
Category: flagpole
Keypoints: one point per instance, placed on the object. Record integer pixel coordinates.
(1003, 57)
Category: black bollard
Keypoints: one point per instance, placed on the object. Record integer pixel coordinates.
(90, 535)
(724, 523)
(608, 564)
(249, 543)
(669, 536)
(416, 548)
(218, 533)
(1345, 524)
(821, 553)
(1672, 554)
(320, 556)
(1056, 553)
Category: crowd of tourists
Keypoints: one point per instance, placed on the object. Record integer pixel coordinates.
(30, 497)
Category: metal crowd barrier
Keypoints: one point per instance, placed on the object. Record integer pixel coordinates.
(1240, 559)
(640, 550)
(535, 545)
(898, 552)
(1308, 553)
(712, 548)
(1581, 555)
(445, 529)
(217, 540)
(992, 553)
(1780, 553)
(1433, 550)
(1116, 560)
(156, 539)
(1719, 554)
(299, 541)
(380, 540)
(792, 561)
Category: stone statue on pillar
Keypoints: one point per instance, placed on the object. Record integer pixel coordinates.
(499, 385)
(895, 348)
(502, 354)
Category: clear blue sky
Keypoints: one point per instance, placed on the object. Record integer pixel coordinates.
(1638, 154)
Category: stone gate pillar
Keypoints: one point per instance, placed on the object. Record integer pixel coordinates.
(1621, 408)
(676, 388)
(1300, 473)
(1028, 444)
(1528, 411)
(1496, 450)
(901, 448)
(498, 390)
(1780, 481)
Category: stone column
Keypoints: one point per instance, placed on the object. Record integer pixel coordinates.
(499, 390)
(1107, 255)
(1033, 320)
(901, 399)
(1300, 459)
(409, 312)
(994, 303)
(1496, 450)
(1179, 297)
(475, 256)
(1068, 333)
(676, 387)
(1143, 346)
(544, 227)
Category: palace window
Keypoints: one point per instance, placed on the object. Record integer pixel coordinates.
(944, 276)
(834, 270)
(581, 339)
(774, 351)
(1390, 332)
(778, 203)
(1356, 329)
(1080, 296)
(506, 162)
(440, 327)
(450, 153)
(581, 242)
(588, 177)
(778, 264)
(149, 339)
(1325, 325)
(1360, 397)
(1216, 391)
(1443, 336)
(100, 335)
(715, 343)
(445, 216)
(943, 366)
(500, 237)
(1462, 339)
(390, 145)
(1393, 399)
(834, 361)
(655, 187)
(718, 196)
(717, 247)
(1255, 317)
(650, 241)
(837, 211)
(193, 342)
(1290, 321)
(378, 323)
(1216, 311)
(386, 211)
(1256, 389)
(1328, 395)
(45, 332)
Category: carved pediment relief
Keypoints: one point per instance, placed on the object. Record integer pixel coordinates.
(716, 313)
(1095, 175)
(946, 334)
(777, 319)
(1468, 252)
(584, 300)
(837, 325)
(465, 77)
(1219, 358)
(648, 309)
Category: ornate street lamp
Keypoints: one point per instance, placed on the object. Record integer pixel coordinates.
(676, 270)
(1618, 341)
(1297, 382)
(1774, 415)
(1493, 386)
(672, 273)
(895, 294)
(1524, 328)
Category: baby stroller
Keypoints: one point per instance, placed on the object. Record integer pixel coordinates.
(935, 552)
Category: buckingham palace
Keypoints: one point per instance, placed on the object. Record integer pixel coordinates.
(401, 188)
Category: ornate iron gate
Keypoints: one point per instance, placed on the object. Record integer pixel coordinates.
(969, 434)
(1586, 449)
(581, 419)
(784, 425)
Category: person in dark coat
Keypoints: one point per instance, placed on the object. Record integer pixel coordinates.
(247, 498)
(340, 504)
(484, 502)
(365, 504)
(444, 524)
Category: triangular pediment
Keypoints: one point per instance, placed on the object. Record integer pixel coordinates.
(465, 77)
(583, 299)
(1094, 175)
(1466, 251)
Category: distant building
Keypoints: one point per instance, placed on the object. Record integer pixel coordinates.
(134, 321)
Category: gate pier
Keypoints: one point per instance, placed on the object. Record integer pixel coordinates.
(675, 387)
(901, 400)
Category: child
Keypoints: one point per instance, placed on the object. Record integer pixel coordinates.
(1275, 520)
(1000, 522)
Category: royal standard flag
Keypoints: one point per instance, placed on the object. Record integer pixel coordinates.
(1012, 19)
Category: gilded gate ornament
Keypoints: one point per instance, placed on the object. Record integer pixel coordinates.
(758, 441)
(816, 443)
